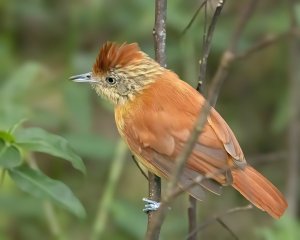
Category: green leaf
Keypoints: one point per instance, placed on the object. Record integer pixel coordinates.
(38, 140)
(39, 185)
(7, 136)
(10, 155)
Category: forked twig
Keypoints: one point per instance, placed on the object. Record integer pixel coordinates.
(193, 18)
(219, 216)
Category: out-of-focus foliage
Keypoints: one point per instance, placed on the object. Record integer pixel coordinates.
(286, 228)
(16, 159)
(42, 43)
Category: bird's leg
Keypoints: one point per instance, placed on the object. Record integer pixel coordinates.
(150, 205)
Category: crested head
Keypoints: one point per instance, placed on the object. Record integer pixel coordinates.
(113, 55)
(122, 71)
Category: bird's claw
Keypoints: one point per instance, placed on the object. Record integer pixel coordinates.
(150, 205)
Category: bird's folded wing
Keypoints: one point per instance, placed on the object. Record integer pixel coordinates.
(158, 145)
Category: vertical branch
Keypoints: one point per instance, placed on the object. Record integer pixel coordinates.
(154, 194)
(230, 53)
(159, 35)
(207, 42)
(294, 128)
(192, 214)
(206, 46)
(188, 147)
(159, 31)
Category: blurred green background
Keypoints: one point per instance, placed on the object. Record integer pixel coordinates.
(42, 43)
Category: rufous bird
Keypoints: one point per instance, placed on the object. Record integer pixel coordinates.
(155, 112)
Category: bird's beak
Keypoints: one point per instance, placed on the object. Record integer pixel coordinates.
(82, 78)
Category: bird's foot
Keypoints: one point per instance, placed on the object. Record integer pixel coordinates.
(150, 205)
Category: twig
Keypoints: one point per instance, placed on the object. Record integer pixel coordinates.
(267, 158)
(107, 199)
(208, 43)
(224, 225)
(215, 218)
(139, 167)
(244, 17)
(159, 35)
(184, 155)
(262, 44)
(229, 54)
(193, 18)
(192, 209)
(192, 214)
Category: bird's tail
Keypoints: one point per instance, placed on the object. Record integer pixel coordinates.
(259, 191)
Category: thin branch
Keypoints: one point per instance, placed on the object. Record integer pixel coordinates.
(192, 214)
(262, 44)
(208, 43)
(139, 167)
(193, 18)
(229, 54)
(159, 35)
(224, 225)
(267, 158)
(186, 151)
(215, 218)
(244, 18)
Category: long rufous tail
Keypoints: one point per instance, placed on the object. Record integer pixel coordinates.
(259, 191)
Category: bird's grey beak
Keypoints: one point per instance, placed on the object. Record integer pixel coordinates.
(82, 78)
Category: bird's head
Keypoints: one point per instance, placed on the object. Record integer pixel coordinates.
(121, 72)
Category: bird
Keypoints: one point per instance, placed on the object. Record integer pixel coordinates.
(155, 112)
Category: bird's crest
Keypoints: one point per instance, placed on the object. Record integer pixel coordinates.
(113, 55)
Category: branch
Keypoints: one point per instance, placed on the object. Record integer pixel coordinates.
(267, 158)
(229, 54)
(218, 217)
(224, 225)
(159, 35)
(192, 214)
(193, 18)
(159, 31)
(207, 44)
(187, 149)
(264, 43)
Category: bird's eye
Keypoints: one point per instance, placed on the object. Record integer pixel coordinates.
(110, 80)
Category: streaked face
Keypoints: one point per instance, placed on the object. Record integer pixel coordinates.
(120, 72)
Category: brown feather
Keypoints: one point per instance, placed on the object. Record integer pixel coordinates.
(259, 191)
(158, 123)
(113, 55)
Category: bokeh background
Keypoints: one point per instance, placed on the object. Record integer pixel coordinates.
(42, 43)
